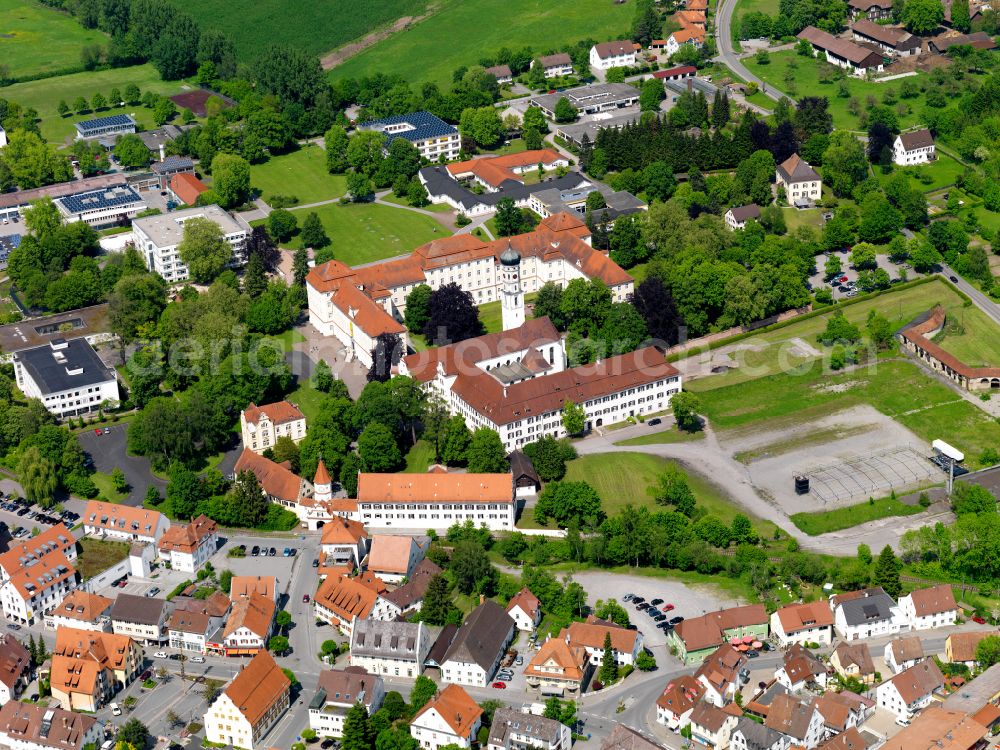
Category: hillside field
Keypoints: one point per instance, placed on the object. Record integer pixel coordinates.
(314, 27)
(38, 40)
(462, 32)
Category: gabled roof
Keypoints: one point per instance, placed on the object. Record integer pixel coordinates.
(423, 125)
(527, 601)
(435, 488)
(796, 617)
(187, 187)
(615, 48)
(722, 667)
(937, 728)
(456, 707)
(571, 659)
(391, 554)
(710, 629)
(254, 613)
(379, 639)
(343, 531)
(919, 680)
(836, 708)
(856, 654)
(869, 605)
(14, 661)
(796, 169)
(482, 636)
(510, 720)
(106, 650)
(853, 53)
(906, 649)
(850, 739)
(243, 586)
(346, 598)
(681, 695)
(279, 412)
(139, 610)
(790, 716)
(743, 213)
(757, 736)
(188, 537)
(801, 665)
(275, 479)
(414, 589)
(31, 725)
(81, 605)
(711, 717)
(591, 633)
(349, 686)
(122, 518)
(556, 60)
(500, 71)
(892, 37)
(626, 738)
(258, 687)
(935, 600)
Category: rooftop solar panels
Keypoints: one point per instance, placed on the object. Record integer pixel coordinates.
(99, 199)
(101, 123)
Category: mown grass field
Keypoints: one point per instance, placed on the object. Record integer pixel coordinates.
(672, 435)
(106, 488)
(461, 33)
(972, 337)
(806, 77)
(36, 40)
(301, 173)
(309, 26)
(46, 94)
(419, 457)
(774, 351)
(366, 232)
(770, 7)
(942, 172)
(821, 522)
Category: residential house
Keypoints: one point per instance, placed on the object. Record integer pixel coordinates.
(894, 42)
(142, 618)
(263, 425)
(903, 653)
(811, 622)
(940, 728)
(246, 586)
(502, 73)
(910, 690)
(410, 596)
(277, 481)
(15, 668)
(83, 610)
(712, 726)
(343, 601)
(617, 54)
(337, 692)
(749, 735)
(68, 377)
(250, 705)
(37, 574)
(850, 739)
(738, 216)
(526, 610)
(677, 701)
(693, 36)
(796, 719)
(451, 717)
(844, 710)
(932, 607)
(344, 543)
(865, 614)
(723, 673)
(697, 637)
(557, 65)
(249, 625)
(124, 522)
(977, 40)
(842, 53)
(514, 730)
(626, 645)
(435, 139)
(194, 623)
(802, 184)
(479, 645)
(916, 147)
(29, 726)
(853, 660)
(800, 669)
(187, 547)
(394, 649)
(873, 10)
(960, 648)
(558, 668)
(87, 668)
(393, 558)
(158, 239)
(626, 738)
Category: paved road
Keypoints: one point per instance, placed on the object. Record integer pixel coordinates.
(728, 55)
(984, 303)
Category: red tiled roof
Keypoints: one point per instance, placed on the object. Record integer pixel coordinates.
(279, 412)
(258, 687)
(275, 479)
(187, 187)
(435, 488)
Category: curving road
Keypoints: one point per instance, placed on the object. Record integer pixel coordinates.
(728, 55)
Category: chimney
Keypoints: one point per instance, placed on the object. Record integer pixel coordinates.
(163, 152)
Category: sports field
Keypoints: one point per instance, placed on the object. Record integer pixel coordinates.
(38, 40)
(462, 32)
(309, 26)
(366, 232)
(46, 94)
(300, 173)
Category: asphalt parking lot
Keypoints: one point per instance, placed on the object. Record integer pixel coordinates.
(843, 290)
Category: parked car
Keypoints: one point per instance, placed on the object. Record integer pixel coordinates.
(628, 597)
(255, 551)
(315, 562)
(505, 677)
(291, 551)
(667, 607)
(160, 655)
(654, 421)
(177, 657)
(659, 617)
(305, 598)
(953, 280)
(116, 710)
(519, 661)
(107, 430)
(752, 654)
(656, 602)
(152, 592)
(146, 675)
(285, 552)
(97, 430)
(638, 599)
(675, 620)
(979, 620)
(500, 685)
(273, 552)
(13, 626)
(198, 659)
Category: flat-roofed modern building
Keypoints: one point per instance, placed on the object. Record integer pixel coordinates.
(67, 376)
(102, 127)
(157, 238)
(102, 207)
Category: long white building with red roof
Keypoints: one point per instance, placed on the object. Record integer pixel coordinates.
(358, 304)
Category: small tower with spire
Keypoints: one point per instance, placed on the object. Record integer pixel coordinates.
(511, 294)
(322, 484)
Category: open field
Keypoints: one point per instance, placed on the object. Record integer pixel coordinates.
(96, 555)
(38, 40)
(419, 457)
(301, 173)
(942, 172)
(623, 479)
(432, 49)
(312, 27)
(972, 337)
(672, 435)
(770, 7)
(821, 522)
(365, 232)
(806, 82)
(307, 398)
(795, 345)
(46, 94)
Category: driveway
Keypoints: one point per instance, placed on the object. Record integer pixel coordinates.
(110, 450)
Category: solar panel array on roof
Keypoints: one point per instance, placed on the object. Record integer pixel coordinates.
(7, 244)
(98, 199)
(423, 125)
(99, 123)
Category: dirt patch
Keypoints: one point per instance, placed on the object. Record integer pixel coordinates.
(338, 56)
(797, 442)
(837, 387)
(802, 348)
(922, 63)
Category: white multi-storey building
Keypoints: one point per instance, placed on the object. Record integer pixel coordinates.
(479, 645)
(123, 522)
(617, 54)
(869, 613)
(451, 718)
(157, 238)
(811, 622)
(910, 690)
(513, 730)
(37, 574)
(187, 547)
(801, 182)
(101, 208)
(263, 425)
(252, 703)
(435, 139)
(338, 691)
(67, 376)
(393, 649)
(915, 147)
(932, 607)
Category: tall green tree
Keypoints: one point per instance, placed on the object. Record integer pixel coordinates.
(886, 573)
(422, 691)
(378, 449)
(921, 17)
(574, 418)
(37, 476)
(230, 179)
(355, 735)
(486, 453)
(203, 249)
(313, 235)
(609, 667)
